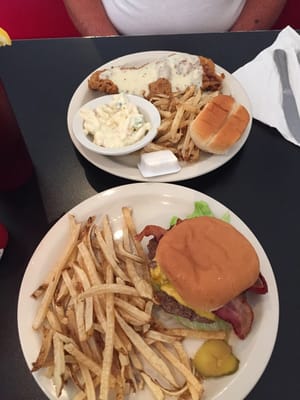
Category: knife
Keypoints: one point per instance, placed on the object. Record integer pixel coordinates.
(288, 99)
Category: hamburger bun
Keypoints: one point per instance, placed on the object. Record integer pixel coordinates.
(219, 124)
(207, 261)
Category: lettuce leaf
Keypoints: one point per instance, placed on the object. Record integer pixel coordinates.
(217, 325)
(201, 208)
(226, 217)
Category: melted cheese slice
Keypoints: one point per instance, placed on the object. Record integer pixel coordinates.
(160, 279)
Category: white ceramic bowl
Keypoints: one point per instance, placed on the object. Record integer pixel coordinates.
(145, 107)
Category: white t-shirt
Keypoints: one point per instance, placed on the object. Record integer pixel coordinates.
(136, 17)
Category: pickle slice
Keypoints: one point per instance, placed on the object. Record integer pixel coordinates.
(215, 358)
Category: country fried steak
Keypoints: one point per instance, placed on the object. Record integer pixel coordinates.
(211, 80)
(102, 85)
(161, 86)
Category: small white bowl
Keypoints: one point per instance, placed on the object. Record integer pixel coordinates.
(150, 112)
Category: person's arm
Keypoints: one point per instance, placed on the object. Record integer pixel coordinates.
(89, 17)
(258, 15)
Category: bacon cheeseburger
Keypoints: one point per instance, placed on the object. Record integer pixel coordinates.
(202, 269)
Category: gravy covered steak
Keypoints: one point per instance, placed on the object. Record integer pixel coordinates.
(171, 73)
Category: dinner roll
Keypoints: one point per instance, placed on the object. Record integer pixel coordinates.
(219, 124)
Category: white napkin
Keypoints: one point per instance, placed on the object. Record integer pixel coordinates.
(260, 79)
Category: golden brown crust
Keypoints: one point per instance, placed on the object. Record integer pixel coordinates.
(211, 80)
(219, 124)
(208, 261)
(161, 86)
(103, 85)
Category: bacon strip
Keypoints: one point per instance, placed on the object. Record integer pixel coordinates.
(151, 230)
(157, 233)
(239, 314)
(260, 286)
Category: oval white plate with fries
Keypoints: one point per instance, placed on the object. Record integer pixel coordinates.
(77, 291)
(126, 166)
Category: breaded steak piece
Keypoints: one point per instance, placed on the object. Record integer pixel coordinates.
(211, 81)
(161, 86)
(103, 85)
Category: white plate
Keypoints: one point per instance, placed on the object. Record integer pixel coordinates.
(156, 203)
(126, 166)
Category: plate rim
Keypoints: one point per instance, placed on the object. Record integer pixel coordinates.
(269, 337)
(188, 171)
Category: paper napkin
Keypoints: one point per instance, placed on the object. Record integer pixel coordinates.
(261, 81)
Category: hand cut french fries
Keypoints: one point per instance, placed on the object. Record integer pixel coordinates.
(96, 323)
(56, 273)
(177, 111)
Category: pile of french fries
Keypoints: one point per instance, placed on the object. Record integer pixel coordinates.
(177, 111)
(96, 322)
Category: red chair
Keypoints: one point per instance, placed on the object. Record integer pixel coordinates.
(36, 19)
(289, 16)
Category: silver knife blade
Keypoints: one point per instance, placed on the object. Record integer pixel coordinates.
(288, 99)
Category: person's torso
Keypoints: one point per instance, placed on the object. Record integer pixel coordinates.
(135, 17)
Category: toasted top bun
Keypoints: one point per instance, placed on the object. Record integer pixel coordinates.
(208, 262)
(219, 124)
